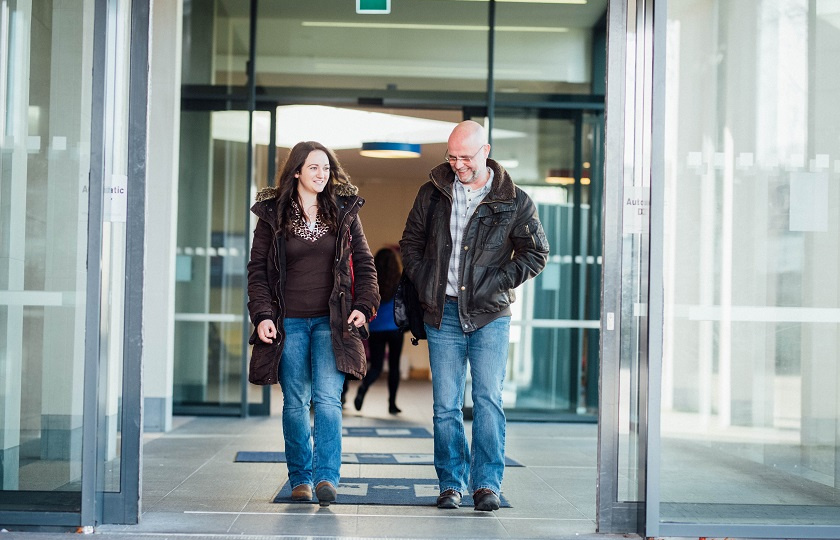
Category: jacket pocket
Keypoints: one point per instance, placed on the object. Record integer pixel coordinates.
(533, 230)
(490, 291)
(493, 230)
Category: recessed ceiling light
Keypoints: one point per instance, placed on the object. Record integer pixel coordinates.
(390, 150)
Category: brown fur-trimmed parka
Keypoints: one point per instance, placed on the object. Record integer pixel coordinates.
(354, 286)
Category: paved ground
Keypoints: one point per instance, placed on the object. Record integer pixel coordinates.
(192, 488)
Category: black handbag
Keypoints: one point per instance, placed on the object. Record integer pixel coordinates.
(408, 312)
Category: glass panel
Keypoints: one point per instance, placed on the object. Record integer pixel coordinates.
(750, 367)
(45, 99)
(265, 167)
(112, 304)
(545, 48)
(210, 258)
(215, 42)
(428, 45)
(635, 252)
(553, 360)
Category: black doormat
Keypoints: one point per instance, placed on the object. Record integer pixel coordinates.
(369, 458)
(384, 491)
(410, 432)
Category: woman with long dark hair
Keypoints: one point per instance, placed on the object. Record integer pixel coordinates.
(311, 287)
(384, 331)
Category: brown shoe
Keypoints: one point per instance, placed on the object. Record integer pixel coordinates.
(485, 500)
(302, 492)
(449, 499)
(325, 493)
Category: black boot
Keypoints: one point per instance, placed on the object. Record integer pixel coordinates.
(360, 397)
(393, 409)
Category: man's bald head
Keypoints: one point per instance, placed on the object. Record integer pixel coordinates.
(468, 151)
(469, 132)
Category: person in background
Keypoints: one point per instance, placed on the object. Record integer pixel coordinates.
(311, 288)
(484, 240)
(384, 331)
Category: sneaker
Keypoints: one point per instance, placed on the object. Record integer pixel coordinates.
(325, 493)
(485, 500)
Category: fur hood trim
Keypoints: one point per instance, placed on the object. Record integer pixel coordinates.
(342, 189)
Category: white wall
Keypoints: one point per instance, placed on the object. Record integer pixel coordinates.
(161, 220)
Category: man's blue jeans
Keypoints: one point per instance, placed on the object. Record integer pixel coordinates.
(486, 350)
(308, 373)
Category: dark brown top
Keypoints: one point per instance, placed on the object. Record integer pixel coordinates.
(309, 276)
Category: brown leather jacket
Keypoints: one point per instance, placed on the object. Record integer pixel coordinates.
(503, 245)
(266, 283)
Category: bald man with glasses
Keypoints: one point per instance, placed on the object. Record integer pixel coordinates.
(483, 240)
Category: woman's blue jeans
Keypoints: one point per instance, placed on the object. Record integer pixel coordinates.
(486, 351)
(308, 374)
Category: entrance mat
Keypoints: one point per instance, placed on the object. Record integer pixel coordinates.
(384, 491)
(361, 458)
(398, 432)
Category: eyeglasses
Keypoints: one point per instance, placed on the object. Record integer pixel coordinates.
(454, 159)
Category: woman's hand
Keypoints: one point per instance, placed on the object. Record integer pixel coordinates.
(266, 331)
(357, 318)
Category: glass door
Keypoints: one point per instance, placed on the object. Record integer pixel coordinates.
(213, 239)
(68, 454)
(556, 157)
(45, 142)
(748, 399)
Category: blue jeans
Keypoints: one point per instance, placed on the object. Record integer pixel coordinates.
(308, 373)
(486, 350)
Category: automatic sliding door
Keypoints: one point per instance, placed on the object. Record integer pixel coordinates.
(750, 382)
(45, 141)
(215, 193)
(555, 157)
(63, 266)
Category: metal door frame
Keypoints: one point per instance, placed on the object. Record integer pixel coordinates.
(627, 91)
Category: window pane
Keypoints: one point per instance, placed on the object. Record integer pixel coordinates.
(428, 45)
(45, 133)
(210, 258)
(215, 42)
(751, 364)
(546, 48)
(552, 366)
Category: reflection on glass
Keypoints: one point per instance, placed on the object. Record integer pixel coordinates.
(554, 323)
(537, 49)
(428, 45)
(45, 137)
(215, 42)
(210, 261)
(634, 253)
(112, 262)
(750, 361)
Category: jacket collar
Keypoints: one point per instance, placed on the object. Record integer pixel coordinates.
(264, 207)
(503, 187)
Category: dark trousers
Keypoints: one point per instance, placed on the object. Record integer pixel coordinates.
(377, 343)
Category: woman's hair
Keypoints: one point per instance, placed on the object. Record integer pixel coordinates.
(287, 185)
(388, 271)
